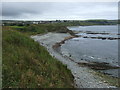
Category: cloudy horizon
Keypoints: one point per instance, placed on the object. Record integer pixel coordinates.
(59, 10)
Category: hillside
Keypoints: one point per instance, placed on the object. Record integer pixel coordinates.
(26, 64)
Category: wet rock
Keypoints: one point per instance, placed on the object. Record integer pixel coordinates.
(98, 66)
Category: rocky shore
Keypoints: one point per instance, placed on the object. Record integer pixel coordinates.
(83, 76)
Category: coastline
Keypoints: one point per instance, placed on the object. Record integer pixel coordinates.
(83, 76)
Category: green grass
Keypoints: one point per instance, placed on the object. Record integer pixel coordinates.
(34, 29)
(26, 64)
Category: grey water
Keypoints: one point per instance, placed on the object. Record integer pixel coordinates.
(94, 50)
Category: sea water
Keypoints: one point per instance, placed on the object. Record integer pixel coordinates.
(94, 49)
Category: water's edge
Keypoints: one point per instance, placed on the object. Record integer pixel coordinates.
(83, 76)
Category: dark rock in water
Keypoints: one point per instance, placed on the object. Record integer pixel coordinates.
(103, 38)
(98, 66)
(85, 37)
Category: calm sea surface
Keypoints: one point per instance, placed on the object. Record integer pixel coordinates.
(94, 49)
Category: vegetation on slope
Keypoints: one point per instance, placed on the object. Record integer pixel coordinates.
(26, 64)
(34, 29)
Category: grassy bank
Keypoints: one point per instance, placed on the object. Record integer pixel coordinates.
(34, 29)
(26, 64)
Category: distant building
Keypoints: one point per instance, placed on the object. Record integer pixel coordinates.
(35, 22)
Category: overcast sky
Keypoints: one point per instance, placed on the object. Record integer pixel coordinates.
(59, 10)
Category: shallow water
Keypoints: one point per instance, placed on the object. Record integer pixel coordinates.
(94, 50)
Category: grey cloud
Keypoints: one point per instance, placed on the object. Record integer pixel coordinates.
(60, 10)
(17, 9)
